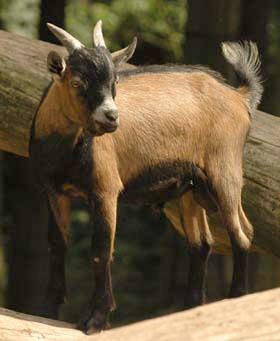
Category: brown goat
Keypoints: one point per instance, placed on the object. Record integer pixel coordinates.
(181, 134)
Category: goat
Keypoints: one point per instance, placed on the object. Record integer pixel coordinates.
(81, 95)
(182, 134)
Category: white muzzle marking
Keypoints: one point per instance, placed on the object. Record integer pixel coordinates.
(107, 105)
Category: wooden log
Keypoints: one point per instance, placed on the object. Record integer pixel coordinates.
(23, 77)
(252, 317)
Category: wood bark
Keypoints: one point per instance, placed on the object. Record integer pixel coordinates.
(23, 78)
(252, 317)
(27, 251)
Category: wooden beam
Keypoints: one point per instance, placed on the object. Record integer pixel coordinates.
(252, 317)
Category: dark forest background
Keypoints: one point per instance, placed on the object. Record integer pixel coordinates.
(151, 261)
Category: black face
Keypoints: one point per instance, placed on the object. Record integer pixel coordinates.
(94, 77)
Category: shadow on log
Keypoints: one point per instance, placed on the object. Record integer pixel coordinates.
(23, 77)
(254, 317)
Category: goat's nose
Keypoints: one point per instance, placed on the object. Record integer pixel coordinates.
(112, 115)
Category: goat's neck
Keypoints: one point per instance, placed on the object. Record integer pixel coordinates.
(52, 116)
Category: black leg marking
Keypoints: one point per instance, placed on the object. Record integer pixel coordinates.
(102, 303)
(197, 274)
(239, 284)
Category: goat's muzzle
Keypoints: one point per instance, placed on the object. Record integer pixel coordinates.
(108, 124)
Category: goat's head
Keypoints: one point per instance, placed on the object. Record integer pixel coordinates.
(88, 77)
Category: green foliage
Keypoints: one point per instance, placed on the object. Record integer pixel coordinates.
(20, 16)
(157, 22)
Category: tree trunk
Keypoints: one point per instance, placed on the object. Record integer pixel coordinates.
(27, 249)
(209, 23)
(52, 11)
(20, 92)
(260, 11)
(253, 317)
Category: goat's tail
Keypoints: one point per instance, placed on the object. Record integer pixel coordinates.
(244, 57)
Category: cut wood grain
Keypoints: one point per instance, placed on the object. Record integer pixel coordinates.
(252, 317)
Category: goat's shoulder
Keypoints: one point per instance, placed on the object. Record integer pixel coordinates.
(105, 164)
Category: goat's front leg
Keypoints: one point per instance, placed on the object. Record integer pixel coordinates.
(104, 208)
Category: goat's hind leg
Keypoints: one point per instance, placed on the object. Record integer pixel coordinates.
(196, 229)
(240, 230)
(239, 284)
(195, 294)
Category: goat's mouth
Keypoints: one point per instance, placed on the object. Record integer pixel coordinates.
(100, 128)
(108, 126)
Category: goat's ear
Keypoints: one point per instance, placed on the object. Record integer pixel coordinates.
(122, 56)
(56, 65)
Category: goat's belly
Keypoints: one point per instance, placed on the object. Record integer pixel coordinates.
(159, 192)
(159, 184)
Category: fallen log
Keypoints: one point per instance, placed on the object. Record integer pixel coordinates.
(23, 77)
(252, 317)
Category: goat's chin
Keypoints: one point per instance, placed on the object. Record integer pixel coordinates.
(94, 132)
(103, 128)
(99, 129)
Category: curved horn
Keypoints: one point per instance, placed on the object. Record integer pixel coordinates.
(65, 38)
(97, 36)
(122, 56)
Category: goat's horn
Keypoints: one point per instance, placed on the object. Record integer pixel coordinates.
(98, 39)
(125, 54)
(65, 38)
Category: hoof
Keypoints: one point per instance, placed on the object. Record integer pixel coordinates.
(93, 323)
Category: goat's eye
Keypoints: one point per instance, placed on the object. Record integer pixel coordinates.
(77, 83)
